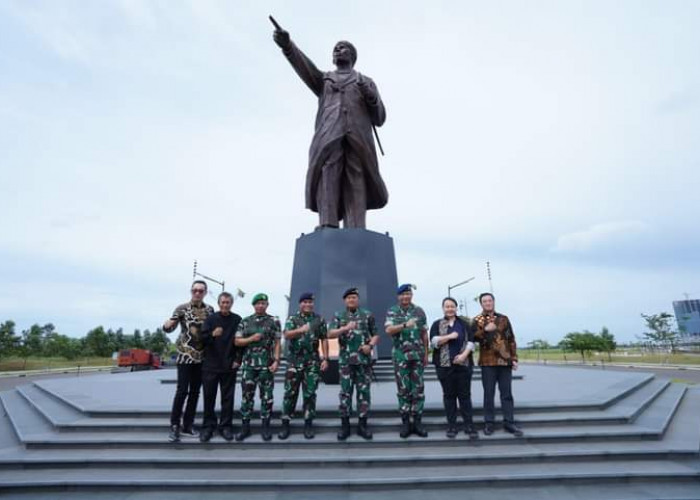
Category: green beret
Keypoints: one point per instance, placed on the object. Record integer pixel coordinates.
(258, 297)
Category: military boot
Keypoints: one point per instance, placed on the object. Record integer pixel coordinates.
(417, 427)
(265, 432)
(405, 427)
(286, 431)
(362, 429)
(344, 431)
(308, 429)
(245, 431)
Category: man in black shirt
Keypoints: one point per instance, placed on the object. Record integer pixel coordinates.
(219, 368)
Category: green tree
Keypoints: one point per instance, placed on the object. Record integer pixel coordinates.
(158, 341)
(607, 342)
(661, 331)
(137, 340)
(32, 341)
(9, 340)
(582, 342)
(119, 339)
(538, 345)
(97, 342)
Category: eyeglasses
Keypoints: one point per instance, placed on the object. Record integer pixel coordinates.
(199, 290)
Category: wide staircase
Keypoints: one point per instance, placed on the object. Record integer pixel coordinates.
(640, 441)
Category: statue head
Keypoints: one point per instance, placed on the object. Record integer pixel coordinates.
(344, 54)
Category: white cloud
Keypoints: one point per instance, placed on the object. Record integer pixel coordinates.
(601, 236)
(139, 135)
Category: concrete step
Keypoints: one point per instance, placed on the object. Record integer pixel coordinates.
(682, 438)
(332, 477)
(610, 397)
(66, 418)
(651, 425)
(631, 488)
(639, 440)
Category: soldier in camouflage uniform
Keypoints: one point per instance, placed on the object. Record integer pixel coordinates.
(406, 324)
(356, 332)
(259, 335)
(303, 333)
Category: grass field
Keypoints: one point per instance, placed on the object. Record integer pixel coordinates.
(38, 363)
(631, 355)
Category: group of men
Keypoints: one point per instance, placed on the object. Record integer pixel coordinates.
(213, 347)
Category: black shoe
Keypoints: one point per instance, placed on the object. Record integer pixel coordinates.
(451, 432)
(245, 431)
(206, 435)
(227, 433)
(284, 433)
(174, 436)
(417, 427)
(488, 429)
(189, 432)
(405, 427)
(470, 431)
(308, 429)
(513, 429)
(362, 429)
(265, 432)
(344, 431)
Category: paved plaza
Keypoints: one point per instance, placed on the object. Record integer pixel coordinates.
(588, 434)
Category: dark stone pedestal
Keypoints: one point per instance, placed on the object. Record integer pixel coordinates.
(329, 261)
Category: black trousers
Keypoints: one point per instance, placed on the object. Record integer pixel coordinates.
(189, 379)
(456, 384)
(503, 376)
(211, 383)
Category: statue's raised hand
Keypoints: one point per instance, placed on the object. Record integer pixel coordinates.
(281, 38)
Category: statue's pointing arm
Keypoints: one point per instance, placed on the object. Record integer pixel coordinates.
(304, 67)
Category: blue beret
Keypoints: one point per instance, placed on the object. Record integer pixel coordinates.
(406, 287)
(351, 291)
(306, 296)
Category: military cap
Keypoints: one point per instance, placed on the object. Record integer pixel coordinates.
(351, 291)
(306, 296)
(406, 287)
(258, 297)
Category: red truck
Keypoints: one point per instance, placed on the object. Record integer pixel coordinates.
(138, 359)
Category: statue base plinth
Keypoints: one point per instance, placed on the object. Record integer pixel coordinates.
(329, 261)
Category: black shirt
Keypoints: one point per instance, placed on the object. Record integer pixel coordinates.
(220, 352)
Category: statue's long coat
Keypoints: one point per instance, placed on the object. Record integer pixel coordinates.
(343, 113)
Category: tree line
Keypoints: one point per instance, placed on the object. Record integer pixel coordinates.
(44, 340)
(659, 334)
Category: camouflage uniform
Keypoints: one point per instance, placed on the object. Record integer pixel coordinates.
(355, 366)
(257, 358)
(303, 364)
(408, 354)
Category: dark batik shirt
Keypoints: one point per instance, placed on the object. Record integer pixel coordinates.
(189, 344)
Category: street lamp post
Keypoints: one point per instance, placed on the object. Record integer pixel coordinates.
(195, 273)
(452, 287)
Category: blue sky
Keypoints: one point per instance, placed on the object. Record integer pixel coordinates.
(558, 140)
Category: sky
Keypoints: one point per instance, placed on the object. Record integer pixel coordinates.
(557, 140)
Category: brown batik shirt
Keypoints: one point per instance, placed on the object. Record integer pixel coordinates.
(189, 344)
(496, 348)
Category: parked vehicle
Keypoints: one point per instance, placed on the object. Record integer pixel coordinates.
(138, 359)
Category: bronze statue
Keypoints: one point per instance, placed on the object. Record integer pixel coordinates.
(343, 180)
